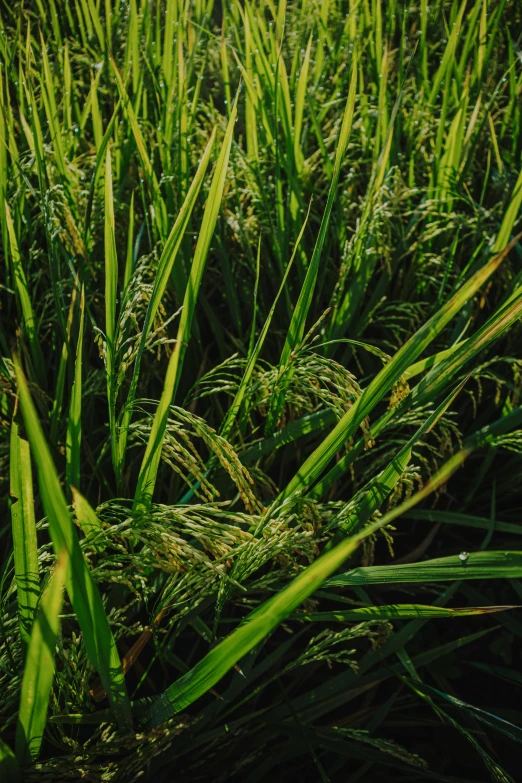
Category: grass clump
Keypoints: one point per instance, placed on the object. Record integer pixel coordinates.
(260, 346)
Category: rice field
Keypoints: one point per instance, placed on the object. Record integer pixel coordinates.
(260, 390)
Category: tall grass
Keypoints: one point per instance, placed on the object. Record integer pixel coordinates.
(260, 345)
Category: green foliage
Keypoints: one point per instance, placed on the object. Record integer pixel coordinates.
(260, 326)
(39, 667)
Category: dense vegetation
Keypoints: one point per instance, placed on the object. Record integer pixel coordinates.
(260, 351)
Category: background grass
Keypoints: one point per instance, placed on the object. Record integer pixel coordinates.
(260, 342)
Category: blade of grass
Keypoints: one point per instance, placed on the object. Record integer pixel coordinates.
(85, 598)
(88, 520)
(24, 532)
(160, 210)
(130, 246)
(39, 669)
(73, 441)
(397, 612)
(477, 565)
(111, 296)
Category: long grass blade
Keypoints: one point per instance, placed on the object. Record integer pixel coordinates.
(74, 425)
(397, 612)
(151, 459)
(474, 565)
(88, 607)
(24, 532)
(39, 670)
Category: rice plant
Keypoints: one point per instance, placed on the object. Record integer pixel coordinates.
(260, 390)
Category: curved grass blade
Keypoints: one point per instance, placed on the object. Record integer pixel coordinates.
(378, 488)
(85, 598)
(111, 296)
(39, 667)
(440, 374)
(444, 371)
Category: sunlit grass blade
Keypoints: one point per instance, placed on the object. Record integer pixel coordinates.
(74, 425)
(397, 612)
(442, 372)
(111, 298)
(111, 258)
(25, 544)
(88, 520)
(447, 58)
(88, 607)
(39, 669)
(51, 111)
(469, 565)
(510, 216)
(129, 258)
(101, 150)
